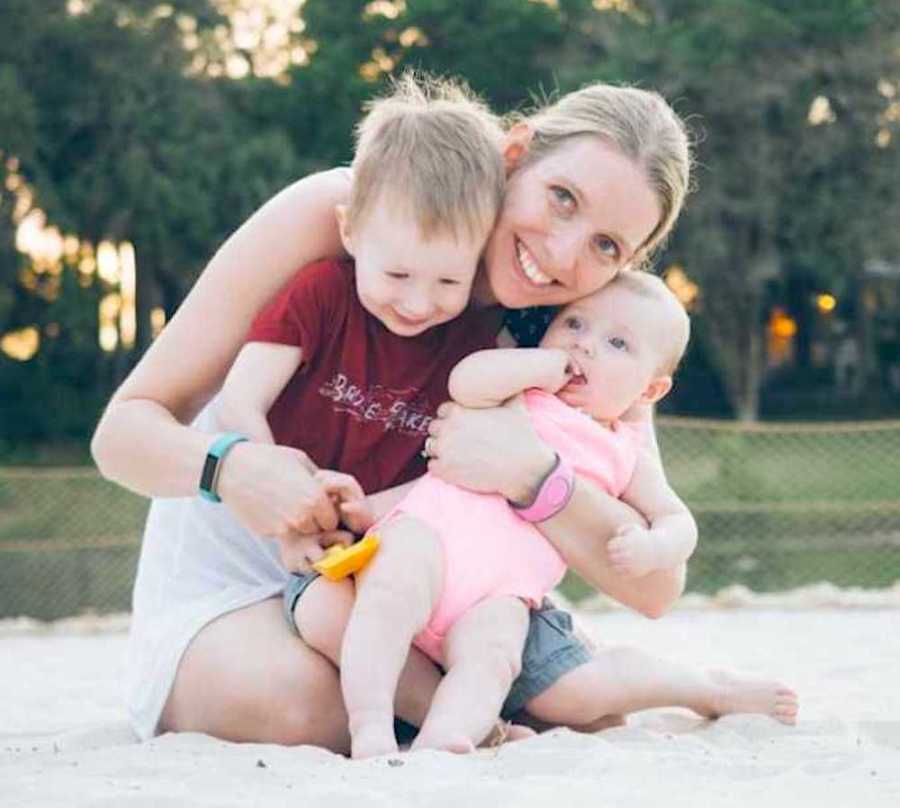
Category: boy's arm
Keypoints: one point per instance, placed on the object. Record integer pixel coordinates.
(488, 378)
(259, 374)
(672, 533)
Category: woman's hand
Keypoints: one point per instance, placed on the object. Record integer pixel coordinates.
(273, 492)
(494, 450)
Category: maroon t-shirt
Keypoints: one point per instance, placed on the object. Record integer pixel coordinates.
(363, 397)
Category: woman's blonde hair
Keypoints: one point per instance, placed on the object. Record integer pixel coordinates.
(639, 123)
(434, 146)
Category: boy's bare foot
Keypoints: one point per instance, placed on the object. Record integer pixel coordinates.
(747, 694)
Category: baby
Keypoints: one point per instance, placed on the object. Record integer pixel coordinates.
(457, 571)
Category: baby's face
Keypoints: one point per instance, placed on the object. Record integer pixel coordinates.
(617, 340)
(410, 284)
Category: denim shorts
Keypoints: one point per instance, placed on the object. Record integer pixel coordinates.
(551, 647)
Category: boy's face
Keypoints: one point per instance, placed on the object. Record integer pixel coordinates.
(617, 340)
(410, 284)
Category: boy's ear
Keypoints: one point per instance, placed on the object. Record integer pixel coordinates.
(516, 144)
(657, 389)
(340, 213)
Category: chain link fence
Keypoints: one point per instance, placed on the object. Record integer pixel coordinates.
(778, 506)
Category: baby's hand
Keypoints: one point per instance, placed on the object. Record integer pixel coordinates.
(348, 497)
(633, 551)
(558, 369)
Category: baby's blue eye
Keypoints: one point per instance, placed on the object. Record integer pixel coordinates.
(573, 322)
(564, 197)
(618, 343)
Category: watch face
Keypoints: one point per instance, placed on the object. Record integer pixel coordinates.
(557, 491)
(209, 472)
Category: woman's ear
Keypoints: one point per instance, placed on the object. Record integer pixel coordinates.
(516, 144)
(657, 389)
(340, 213)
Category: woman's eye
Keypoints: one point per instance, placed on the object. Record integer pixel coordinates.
(449, 282)
(563, 197)
(397, 276)
(618, 343)
(606, 246)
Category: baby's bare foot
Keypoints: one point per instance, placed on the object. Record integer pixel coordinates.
(746, 694)
(371, 741)
(458, 744)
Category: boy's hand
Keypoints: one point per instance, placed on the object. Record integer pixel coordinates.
(298, 554)
(633, 551)
(347, 496)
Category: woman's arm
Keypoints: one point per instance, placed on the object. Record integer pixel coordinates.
(497, 450)
(141, 441)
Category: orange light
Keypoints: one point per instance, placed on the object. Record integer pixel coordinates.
(782, 325)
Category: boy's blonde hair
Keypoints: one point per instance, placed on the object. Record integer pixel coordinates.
(433, 146)
(677, 321)
(640, 124)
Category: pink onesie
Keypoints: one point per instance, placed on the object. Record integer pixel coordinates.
(488, 550)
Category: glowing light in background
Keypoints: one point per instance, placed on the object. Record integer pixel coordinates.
(826, 303)
(820, 111)
(22, 344)
(683, 287)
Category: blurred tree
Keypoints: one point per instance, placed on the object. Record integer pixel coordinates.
(794, 174)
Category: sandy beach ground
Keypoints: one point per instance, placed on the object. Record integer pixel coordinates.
(64, 740)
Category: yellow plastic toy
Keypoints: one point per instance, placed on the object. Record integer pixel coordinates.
(340, 561)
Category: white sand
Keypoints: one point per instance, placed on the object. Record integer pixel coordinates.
(64, 741)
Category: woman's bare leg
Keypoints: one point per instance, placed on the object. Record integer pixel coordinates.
(246, 677)
(620, 680)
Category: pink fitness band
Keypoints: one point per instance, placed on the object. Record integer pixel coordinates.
(553, 495)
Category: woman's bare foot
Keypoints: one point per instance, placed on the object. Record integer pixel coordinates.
(736, 693)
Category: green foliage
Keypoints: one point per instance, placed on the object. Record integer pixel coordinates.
(122, 136)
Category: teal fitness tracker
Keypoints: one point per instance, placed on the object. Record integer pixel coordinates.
(209, 478)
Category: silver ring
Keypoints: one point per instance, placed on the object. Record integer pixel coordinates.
(428, 450)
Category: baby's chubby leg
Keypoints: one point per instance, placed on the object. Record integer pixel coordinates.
(395, 595)
(321, 615)
(483, 655)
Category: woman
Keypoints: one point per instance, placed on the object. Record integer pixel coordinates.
(595, 183)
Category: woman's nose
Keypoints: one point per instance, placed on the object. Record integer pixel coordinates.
(564, 251)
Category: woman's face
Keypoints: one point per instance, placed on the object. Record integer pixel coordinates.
(570, 222)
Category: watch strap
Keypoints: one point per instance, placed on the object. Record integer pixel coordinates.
(209, 477)
(553, 495)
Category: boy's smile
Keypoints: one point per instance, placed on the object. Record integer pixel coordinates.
(408, 282)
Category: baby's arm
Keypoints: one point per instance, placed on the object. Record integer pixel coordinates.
(488, 378)
(672, 536)
(256, 379)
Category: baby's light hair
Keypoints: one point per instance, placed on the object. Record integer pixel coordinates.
(433, 147)
(653, 287)
(640, 124)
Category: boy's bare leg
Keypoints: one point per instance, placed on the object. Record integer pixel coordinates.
(620, 680)
(321, 616)
(395, 595)
(483, 654)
